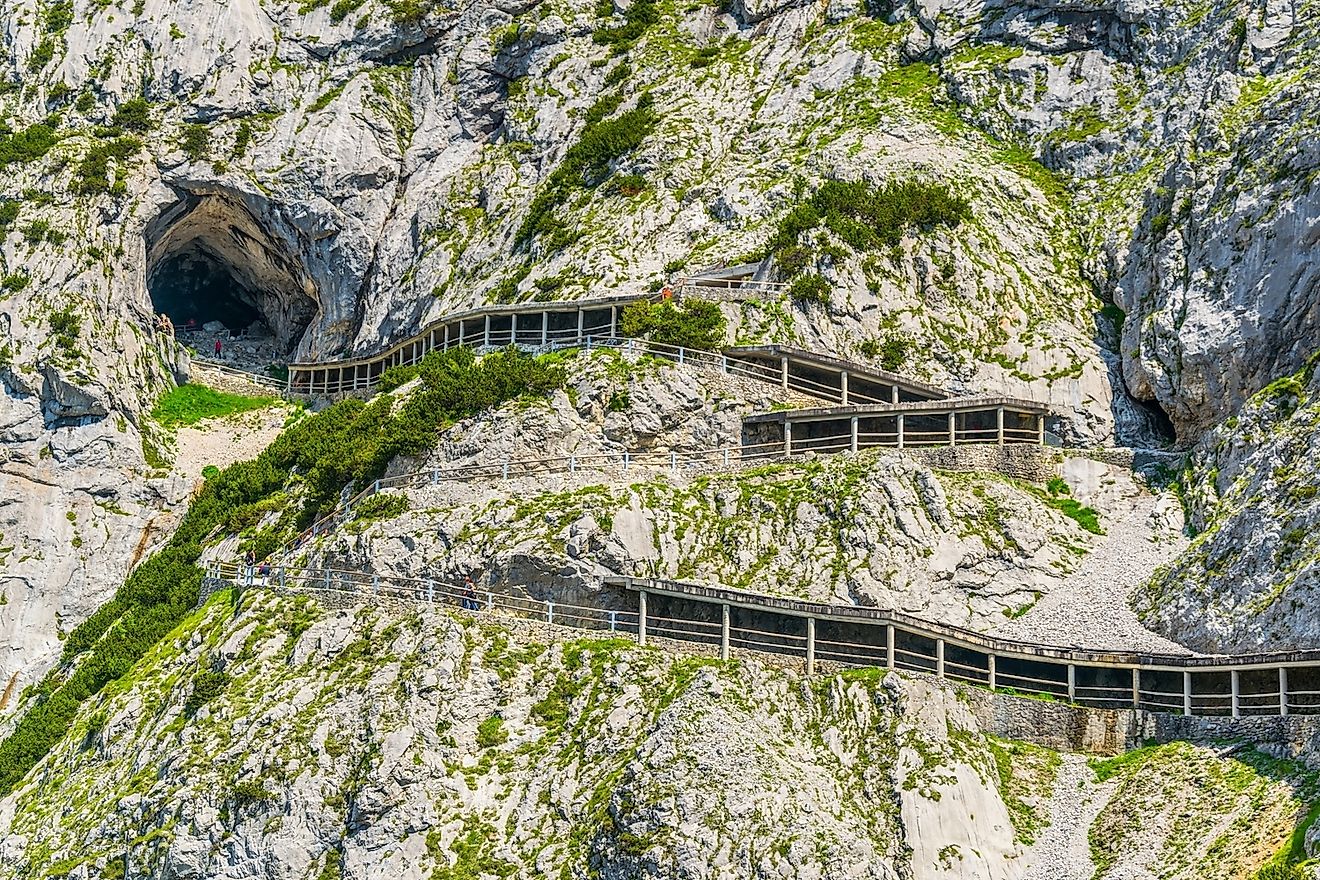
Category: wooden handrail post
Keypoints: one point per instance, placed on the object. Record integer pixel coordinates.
(724, 631)
(852, 443)
(1235, 691)
(811, 646)
(1072, 683)
(990, 669)
(999, 424)
(843, 387)
(1136, 687)
(641, 617)
(1187, 692)
(783, 373)
(1283, 690)
(939, 658)
(889, 646)
(788, 438)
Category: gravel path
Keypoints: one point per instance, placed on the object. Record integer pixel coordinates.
(1063, 852)
(1089, 609)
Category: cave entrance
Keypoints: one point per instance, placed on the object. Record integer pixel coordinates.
(218, 270)
(195, 290)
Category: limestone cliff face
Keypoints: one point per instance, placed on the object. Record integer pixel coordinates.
(1250, 575)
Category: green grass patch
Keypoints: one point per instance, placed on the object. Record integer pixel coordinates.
(190, 404)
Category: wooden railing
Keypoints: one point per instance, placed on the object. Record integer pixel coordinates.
(1275, 683)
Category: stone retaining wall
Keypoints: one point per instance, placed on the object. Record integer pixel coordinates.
(1020, 461)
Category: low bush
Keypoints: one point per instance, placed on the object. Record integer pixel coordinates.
(195, 141)
(696, 324)
(868, 217)
(810, 289)
(491, 732)
(636, 21)
(27, 145)
(585, 165)
(206, 687)
(92, 174)
(134, 115)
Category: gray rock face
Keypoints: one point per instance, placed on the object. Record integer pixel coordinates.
(1253, 570)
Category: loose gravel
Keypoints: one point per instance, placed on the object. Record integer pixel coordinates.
(1063, 850)
(1090, 609)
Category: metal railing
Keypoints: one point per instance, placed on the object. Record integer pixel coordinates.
(238, 372)
(497, 599)
(793, 628)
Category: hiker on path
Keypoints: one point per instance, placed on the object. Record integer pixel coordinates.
(469, 595)
(217, 346)
(249, 564)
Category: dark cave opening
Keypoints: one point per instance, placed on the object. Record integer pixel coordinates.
(218, 256)
(194, 289)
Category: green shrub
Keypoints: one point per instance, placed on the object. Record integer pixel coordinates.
(9, 209)
(249, 792)
(189, 404)
(696, 324)
(59, 93)
(491, 732)
(636, 21)
(92, 175)
(894, 352)
(705, 56)
(603, 108)
(15, 281)
(58, 16)
(380, 506)
(628, 185)
(41, 55)
(810, 289)
(342, 9)
(206, 687)
(64, 327)
(134, 115)
(195, 141)
(27, 145)
(585, 165)
(86, 101)
(868, 217)
(618, 73)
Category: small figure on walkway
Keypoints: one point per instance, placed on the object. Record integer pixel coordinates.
(218, 346)
(470, 595)
(249, 566)
(263, 571)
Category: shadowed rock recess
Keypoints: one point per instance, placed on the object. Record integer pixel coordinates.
(1106, 208)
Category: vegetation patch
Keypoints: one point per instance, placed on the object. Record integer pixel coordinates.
(190, 404)
(696, 324)
(586, 165)
(347, 444)
(870, 217)
(1058, 496)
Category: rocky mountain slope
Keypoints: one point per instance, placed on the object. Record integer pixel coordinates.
(1107, 206)
(286, 740)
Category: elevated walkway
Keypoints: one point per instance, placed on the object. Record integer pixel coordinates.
(832, 636)
(1276, 683)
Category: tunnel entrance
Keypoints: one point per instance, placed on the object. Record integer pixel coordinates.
(194, 291)
(219, 272)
